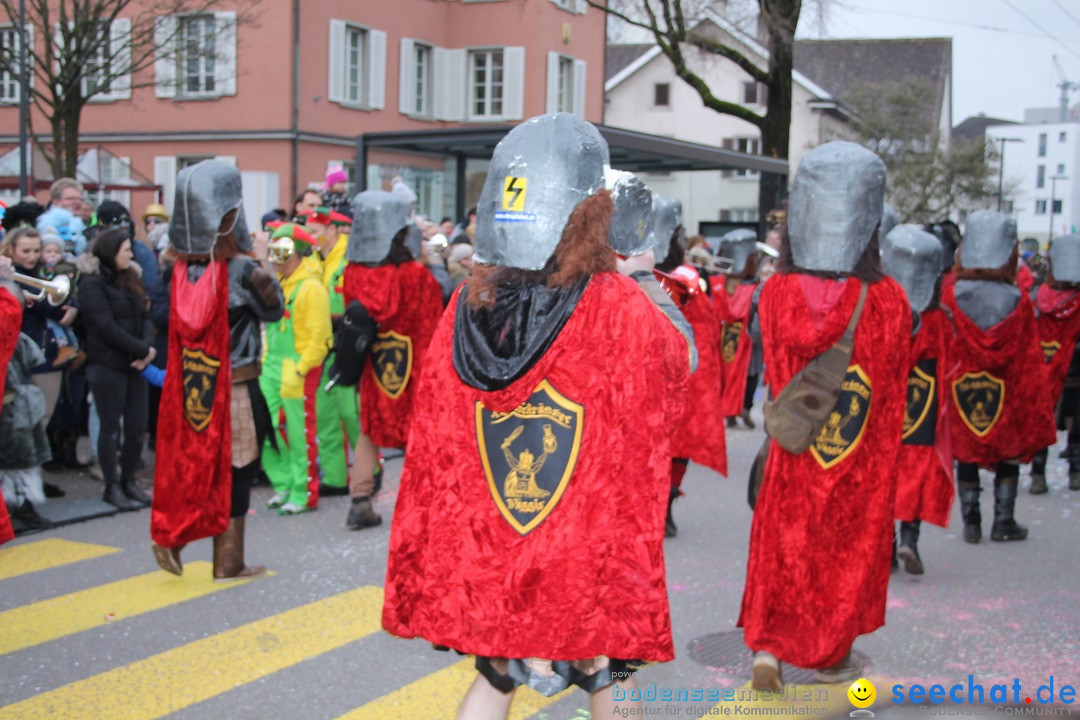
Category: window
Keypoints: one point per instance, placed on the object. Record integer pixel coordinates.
(565, 84)
(749, 93)
(1042, 144)
(485, 83)
(419, 70)
(1055, 208)
(1062, 136)
(574, 6)
(422, 58)
(356, 73)
(662, 94)
(751, 146)
(1040, 207)
(1061, 169)
(1040, 176)
(9, 72)
(196, 55)
(96, 70)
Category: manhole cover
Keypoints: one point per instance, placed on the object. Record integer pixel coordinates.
(727, 652)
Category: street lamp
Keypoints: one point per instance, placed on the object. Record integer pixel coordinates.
(1001, 165)
(1053, 189)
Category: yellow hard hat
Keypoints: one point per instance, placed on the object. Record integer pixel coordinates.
(155, 210)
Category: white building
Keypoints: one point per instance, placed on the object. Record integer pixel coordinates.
(1039, 172)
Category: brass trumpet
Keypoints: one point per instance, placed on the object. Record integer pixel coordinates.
(56, 290)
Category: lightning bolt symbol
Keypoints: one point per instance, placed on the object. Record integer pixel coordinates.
(517, 191)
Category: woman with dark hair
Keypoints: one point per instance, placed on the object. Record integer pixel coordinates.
(821, 539)
(119, 345)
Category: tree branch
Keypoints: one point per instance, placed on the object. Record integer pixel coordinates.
(730, 53)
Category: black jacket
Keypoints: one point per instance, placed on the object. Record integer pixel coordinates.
(118, 325)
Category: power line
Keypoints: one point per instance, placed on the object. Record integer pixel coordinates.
(976, 26)
(1039, 27)
(1066, 11)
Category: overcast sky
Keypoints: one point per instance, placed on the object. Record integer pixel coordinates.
(1002, 49)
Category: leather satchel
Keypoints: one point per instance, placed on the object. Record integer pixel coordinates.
(797, 415)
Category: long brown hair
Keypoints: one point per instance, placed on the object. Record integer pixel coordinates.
(106, 247)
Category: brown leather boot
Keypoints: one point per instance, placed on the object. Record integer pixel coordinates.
(229, 554)
(169, 559)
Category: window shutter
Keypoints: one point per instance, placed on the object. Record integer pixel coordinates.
(727, 144)
(120, 39)
(406, 77)
(165, 64)
(552, 82)
(513, 83)
(335, 89)
(165, 176)
(225, 65)
(579, 88)
(450, 90)
(376, 69)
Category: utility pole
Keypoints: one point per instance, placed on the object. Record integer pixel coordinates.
(1066, 86)
(1001, 166)
(1053, 190)
(24, 103)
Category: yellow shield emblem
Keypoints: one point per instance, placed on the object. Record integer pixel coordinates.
(729, 340)
(844, 429)
(979, 399)
(199, 373)
(920, 411)
(529, 454)
(1050, 349)
(392, 361)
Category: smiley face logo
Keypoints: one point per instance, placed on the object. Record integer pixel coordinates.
(862, 693)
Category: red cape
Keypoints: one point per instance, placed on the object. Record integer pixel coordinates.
(736, 346)
(193, 475)
(406, 301)
(821, 538)
(589, 579)
(924, 478)
(999, 409)
(10, 322)
(1058, 326)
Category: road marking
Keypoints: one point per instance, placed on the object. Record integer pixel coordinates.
(56, 617)
(437, 696)
(181, 677)
(45, 554)
(809, 700)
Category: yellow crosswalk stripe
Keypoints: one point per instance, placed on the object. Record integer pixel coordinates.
(178, 678)
(45, 554)
(56, 617)
(437, 696)
(811, 700)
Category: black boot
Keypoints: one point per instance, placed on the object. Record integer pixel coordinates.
(27, 514)
(909, 547)
(1005, 527)
(669, 525)
(361, 514)
(69, 456)
(969, 510)
(53, 464)
(1074, 464)
(895, 564)
(134, 492)
(1038, 473)
(116, 497)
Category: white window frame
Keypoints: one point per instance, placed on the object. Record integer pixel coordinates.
(750, 145)
(419, 68)
(371, 70)
(205, 62)
(423, 56)
(168, 78)
(1040, 207)
(6, 80)
(117, 55)
(577, 7)
(489, 109)
(565, 84)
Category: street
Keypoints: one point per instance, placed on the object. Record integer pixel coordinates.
(90, 628)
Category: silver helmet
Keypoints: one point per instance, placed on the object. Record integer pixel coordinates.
(738, 246)
(539, 173)
(989, 239)
(889, 220)
(1065, 259)
(667, 218)
(205, 194)
(631, 223)
(378, 217)
(912, 257)
(836, 203)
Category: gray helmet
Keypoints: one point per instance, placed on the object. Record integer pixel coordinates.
(631, 223)
(912, 257)
(205, 193)
(989, 239)
(378, 217)
(539, 173)
(1065, 259)
(738, 246)
(667, 218)
(836, 203)
(889, 220)
(414, 238)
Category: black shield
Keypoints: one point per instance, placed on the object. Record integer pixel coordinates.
(200, 374)
(920, 412)
(979, 399)
(392, 361)
(729, 340)
(844, 429)
(529, 454)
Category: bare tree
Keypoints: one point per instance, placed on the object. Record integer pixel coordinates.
(673, 25)
(82, 49)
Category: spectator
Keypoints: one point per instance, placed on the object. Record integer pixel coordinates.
(446, 227)
(459, 261)
(119, 347)
(154, 216)
(68, 194)
(465, 231)
(305, 203)
(335, 196)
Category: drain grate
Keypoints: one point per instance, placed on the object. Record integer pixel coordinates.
(727, 652)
